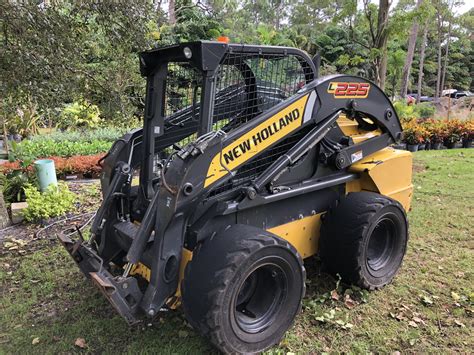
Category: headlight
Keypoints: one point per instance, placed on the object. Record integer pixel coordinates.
(187, 52)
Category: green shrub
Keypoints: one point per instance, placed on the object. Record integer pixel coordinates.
(66, 144)
(15, 176)
(425, 110)
(405, 112)
(55, 201)
(14, 186)
(79, 114)
(48, 147)
(109, 134)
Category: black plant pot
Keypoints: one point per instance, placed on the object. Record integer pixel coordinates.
(422, 146)
(467, 143)
(412, 147)
(401, 146)
(451, 145)
(436, 145)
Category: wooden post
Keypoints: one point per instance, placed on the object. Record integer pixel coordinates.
(449, 102)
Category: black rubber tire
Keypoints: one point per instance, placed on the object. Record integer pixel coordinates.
(269, 300)
(364, 239)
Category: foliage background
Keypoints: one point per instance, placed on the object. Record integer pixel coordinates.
(61, 55)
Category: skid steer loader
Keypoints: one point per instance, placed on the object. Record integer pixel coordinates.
(248, 162)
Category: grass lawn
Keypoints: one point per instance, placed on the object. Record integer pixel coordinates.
(46, 303)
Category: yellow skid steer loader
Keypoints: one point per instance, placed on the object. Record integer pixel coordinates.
(248, 162)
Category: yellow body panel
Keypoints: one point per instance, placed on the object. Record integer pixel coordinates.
(351, 128)
(388, 172)
(186, 257)
(135, 181)
(347, 126)
(174, 301)
(303, 234)
(255, 141)
(142, 270)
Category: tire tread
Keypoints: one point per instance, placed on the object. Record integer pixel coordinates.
(209, 324)
(341, 231)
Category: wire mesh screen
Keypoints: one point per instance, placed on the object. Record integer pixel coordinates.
(183, 90)
(249, 85)
(246, 85)
(182, 96)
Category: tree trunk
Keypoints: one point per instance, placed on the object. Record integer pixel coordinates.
(438, 74)
(278, 10)
(394, 84)
(172, 12)
(5, 138)
(422, 62)
(410, 53)
(156, 4)
(446, 57)
(383, 67)
(381, 42)
(4, 219)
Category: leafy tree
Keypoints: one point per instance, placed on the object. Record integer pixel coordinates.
(61, 54)
(396, 61)
(410, 52)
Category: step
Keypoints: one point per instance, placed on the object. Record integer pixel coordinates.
(127, 229)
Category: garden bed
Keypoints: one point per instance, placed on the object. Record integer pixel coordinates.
(78, 165)
(76, 155)
(64, 144)
(431, 134)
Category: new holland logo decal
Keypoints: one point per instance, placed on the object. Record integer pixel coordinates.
(260, 137)
(343, 90)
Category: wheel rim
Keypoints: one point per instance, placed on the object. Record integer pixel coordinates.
(260, 298)
(381, 245)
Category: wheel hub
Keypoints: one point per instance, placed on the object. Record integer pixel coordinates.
(260, 298)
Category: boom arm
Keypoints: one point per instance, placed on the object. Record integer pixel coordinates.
(358, 97)
(315, 104)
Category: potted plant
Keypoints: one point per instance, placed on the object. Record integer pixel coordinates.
(436, 131)
(453, 133)
(400, 146)
(423, 136)
(412, 137)
(468, 134)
